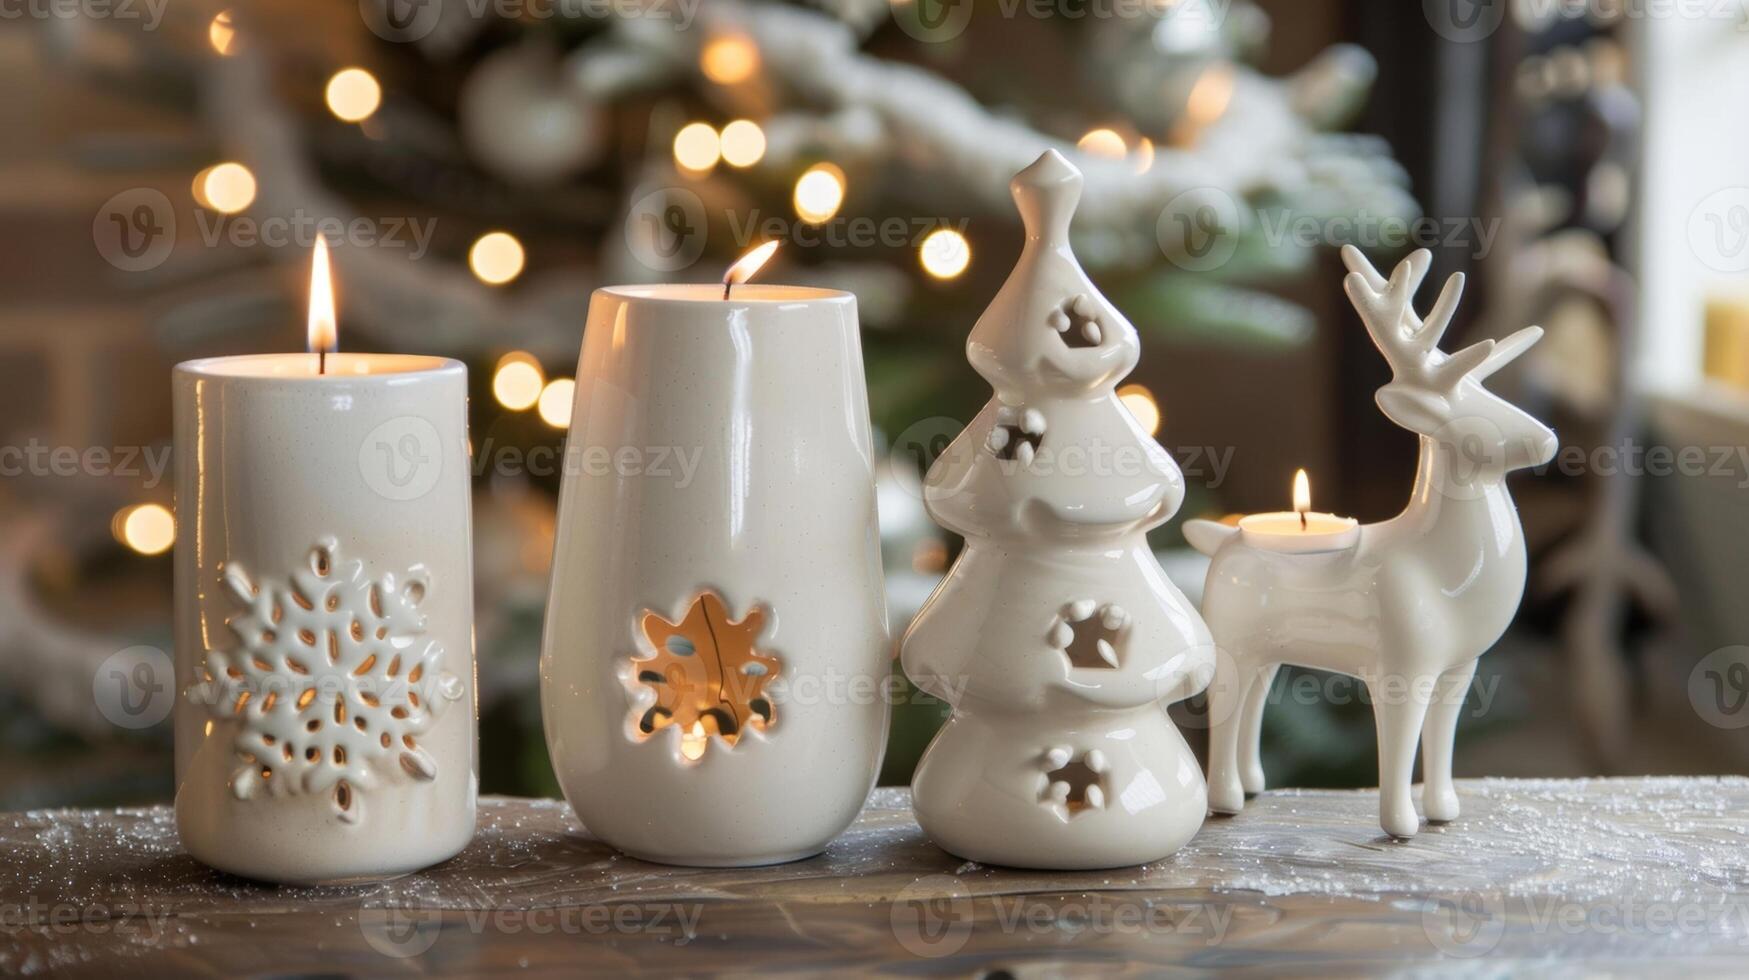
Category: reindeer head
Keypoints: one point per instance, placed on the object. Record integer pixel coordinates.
(1441, 395)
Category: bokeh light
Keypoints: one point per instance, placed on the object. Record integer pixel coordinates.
(518, 381)
(496, 258)
(819, 193)
(945, 253)
(354, 95)
(149, 529)
(697, 147)
(1140, 401)
(743, 143)
(555, 402)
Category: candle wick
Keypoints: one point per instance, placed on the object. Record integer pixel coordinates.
(321, 362)
(728, 284)
(1302, 520)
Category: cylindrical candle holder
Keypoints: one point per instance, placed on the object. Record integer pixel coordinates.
(325, 726)
(716, 641)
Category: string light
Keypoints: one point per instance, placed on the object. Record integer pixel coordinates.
(697, 147)
(496, 258)
(354, 95)
(555, 402)
(729, 59)
(819, 193)
(1103, 143)
(945, 253)
(1140, 401)
(220, 33)
(743, 143)
(149, 529)
(226, 187)
(518, 381)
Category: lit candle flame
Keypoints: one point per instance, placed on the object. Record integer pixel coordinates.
(324, 332)
(692, 743)
(1302, 496)
(747, 265)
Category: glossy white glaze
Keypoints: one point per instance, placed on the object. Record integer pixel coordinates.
(324, 603)
(1056, 637)
(1418, 598)
(744, 469)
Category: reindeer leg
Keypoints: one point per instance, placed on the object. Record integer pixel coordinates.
(1251, 730)
(1438, 798)
(1233, 678)
(1398, 716)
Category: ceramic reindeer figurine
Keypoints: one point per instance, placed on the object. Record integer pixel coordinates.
(1412, 604)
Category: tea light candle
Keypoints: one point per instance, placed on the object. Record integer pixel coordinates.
(324, 610)
(1302, 530)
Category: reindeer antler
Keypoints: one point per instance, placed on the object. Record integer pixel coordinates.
(1409, 343)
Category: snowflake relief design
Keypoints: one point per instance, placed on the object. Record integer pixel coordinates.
(332, 684)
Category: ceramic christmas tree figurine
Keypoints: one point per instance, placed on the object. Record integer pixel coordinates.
(1056, 637)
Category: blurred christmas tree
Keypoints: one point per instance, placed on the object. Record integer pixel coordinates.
(480, 165)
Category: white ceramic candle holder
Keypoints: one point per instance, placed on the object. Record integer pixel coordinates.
(324, 615)
(716, 638)
(1407, 605)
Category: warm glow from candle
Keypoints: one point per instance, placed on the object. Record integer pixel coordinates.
(1103, 143)
(555, 402)
(221, 33)
(729, 59)
(1302, 493)
(692, 743)
(743, 143)
(518, 382)
(749, 264)
(353, 94)
(1140, 402)
(324, 330)
(945, 253)
(149, 529)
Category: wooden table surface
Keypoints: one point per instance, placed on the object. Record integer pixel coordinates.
(1612, 875)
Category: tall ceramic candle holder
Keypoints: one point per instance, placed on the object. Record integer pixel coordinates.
(324, 615)
(1056, 637)
(1407, 605)
(716, 636)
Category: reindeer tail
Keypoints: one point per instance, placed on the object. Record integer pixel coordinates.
(1208, 536)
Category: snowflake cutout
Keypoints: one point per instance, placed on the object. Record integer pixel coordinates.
(1017, 434)
(1077, 321)
(1089, 634)
(1072, 786)
(332, 683)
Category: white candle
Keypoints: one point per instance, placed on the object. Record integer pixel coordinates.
(324, 611)
(1301, 530)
